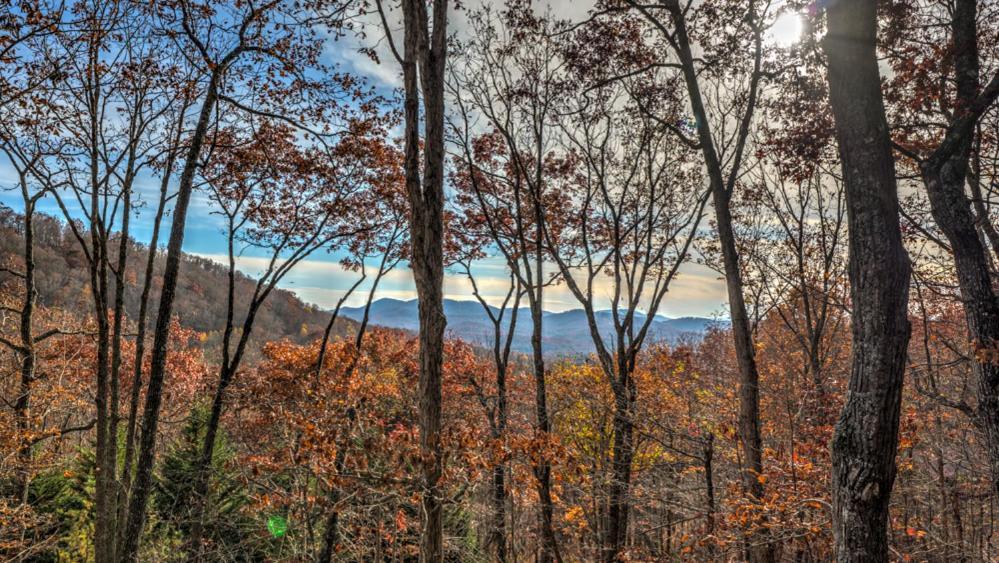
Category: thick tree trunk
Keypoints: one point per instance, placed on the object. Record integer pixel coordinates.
(944, 175)
(866, 437)
(951, 211)
(432, 323)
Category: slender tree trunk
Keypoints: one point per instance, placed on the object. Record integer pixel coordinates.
(749, 378)
(203, 468)
(154, 395)
(498, 533)
(866, 437)
(542, 469)
(106, 444)
(117, 329)
(749, 384)
(140, 347)
(22, 406)
(709, 484)
(331, 534)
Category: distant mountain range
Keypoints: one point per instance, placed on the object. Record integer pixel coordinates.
(565, 333)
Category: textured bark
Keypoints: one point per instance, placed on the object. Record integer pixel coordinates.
(866, 437)
(619, 501)
(423, 63)
(944, 174)
(498, 533)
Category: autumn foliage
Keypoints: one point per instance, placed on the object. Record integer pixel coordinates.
(832, 195)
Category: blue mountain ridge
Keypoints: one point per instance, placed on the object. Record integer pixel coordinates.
(564, 333)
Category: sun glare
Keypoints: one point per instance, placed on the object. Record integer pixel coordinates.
(786, 30)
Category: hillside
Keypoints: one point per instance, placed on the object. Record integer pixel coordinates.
(63, 281)
(565, 333)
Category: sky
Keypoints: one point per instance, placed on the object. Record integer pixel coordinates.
(321, 280)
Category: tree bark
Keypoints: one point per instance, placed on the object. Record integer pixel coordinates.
(623, 453)
(22, 406)
(866, 437)
(944, 174)
(423, 63)
(542, 469)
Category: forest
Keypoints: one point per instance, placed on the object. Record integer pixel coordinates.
(826, 170)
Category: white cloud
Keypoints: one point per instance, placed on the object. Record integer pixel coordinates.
(696, 292)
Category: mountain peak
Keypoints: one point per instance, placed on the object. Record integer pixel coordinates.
(565, 333)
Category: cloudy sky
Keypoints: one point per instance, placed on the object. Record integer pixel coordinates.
(321, 280)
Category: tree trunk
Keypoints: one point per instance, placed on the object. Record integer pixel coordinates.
(140, 346)
(426, 50)
(498, 533)
(866, 437)
(619, 504)
(542, 469)
(497, 536)
(944, 175)
(749, 377)
(709, 484)
(22, 406)
(154, 395)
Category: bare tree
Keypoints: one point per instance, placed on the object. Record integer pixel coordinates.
(475, 236)
(723, 139)
(511, 76)
(635, 206)
(266, 44)
(945, 173)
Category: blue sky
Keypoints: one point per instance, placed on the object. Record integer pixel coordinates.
(322, 281)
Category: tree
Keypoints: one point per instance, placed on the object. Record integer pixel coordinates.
(735, 43)
(634, 208)
(512, 76)
(945, 172)
(423, 60)
(286, 202)
(257, 65)
(866, 438)
(472, 236)
(104, 102)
